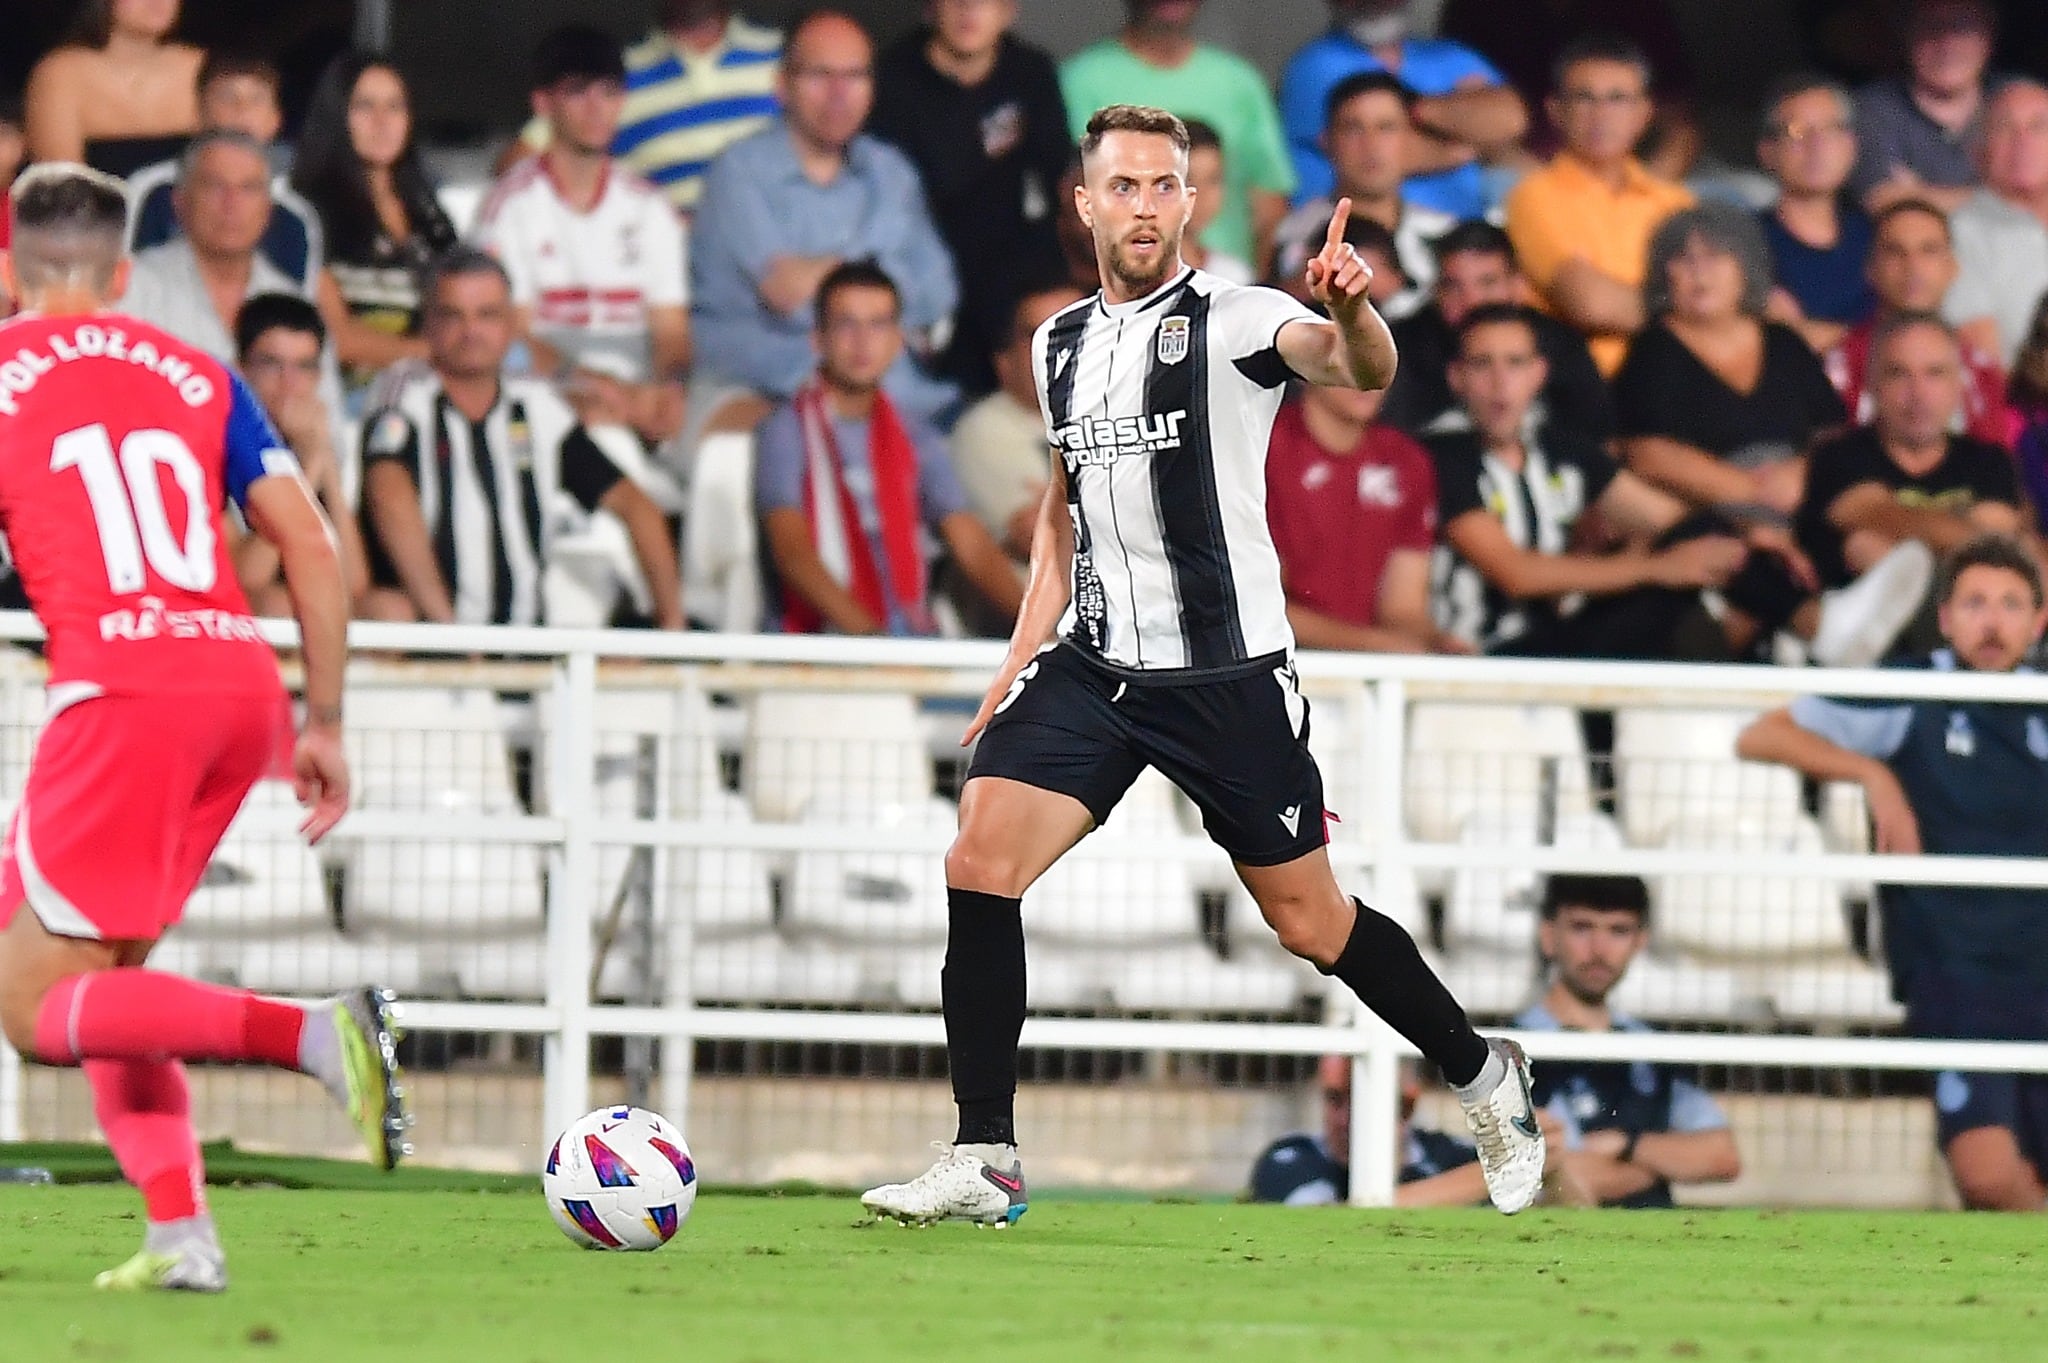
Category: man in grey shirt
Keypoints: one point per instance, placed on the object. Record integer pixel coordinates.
(2001, 231)
(785, 206)
(1918, 136)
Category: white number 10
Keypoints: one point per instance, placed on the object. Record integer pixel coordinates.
(128, 506)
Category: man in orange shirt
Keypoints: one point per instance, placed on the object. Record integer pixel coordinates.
(1581, 225)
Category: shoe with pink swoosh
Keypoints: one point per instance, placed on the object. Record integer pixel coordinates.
(961, 1186)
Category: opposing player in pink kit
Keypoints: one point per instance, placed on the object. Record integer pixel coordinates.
(119, 448)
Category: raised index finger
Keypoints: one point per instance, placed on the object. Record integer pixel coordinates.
(1339, 220)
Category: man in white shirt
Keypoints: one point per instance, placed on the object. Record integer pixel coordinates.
(595, 253)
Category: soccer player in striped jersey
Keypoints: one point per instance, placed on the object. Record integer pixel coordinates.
(1154, 633)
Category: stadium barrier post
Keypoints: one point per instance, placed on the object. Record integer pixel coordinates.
(1375, 1065)
(10, 1094)
(572, 798)
(679, 1045)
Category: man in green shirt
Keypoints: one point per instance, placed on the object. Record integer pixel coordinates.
(1156, 60)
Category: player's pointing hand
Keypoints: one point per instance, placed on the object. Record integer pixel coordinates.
(1338, 277)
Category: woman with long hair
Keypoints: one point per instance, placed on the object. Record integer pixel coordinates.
(359, 166)
(121, 94)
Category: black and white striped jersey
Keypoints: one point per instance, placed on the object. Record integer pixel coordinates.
(1161, 409)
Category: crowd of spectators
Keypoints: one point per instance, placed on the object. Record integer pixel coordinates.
(1637, 414)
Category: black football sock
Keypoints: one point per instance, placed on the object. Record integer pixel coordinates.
(981, 992)
(1388, 974)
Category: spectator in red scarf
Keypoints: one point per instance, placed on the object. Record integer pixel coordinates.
(848, 484)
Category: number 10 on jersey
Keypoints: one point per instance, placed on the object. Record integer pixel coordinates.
(128, 506)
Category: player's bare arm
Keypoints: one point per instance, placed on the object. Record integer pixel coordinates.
(391, 505)
(1046, 593)
(1354, 349)
(282, 511)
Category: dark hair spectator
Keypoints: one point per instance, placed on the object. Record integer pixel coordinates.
(854, 274)
(1819, 241)
(1600, 45)
(577, 52)
(1618, 894)
(1715, 228)
(268, 311)
(360, 166)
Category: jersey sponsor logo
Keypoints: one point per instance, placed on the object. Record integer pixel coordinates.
(1379, 485)
(90, 341)
(1091, 602)
(1173, 340)
(1099, 441)
(153, 620)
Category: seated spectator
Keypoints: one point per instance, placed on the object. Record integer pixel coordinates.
(1716, 404)
(1463, 112)
(2001, 231)
(699, 82)
(194, 285)
(280, 345)
(1155, 60)
(595, 253)
(847, 485)
(1523, 41)
(1631, 1129)
(1314, 1169)
(121, 94)
(2029, 398)
(786, 206)
(1918, 136)
(1819, 242)
(1511, 495)
(978, 111)
(1474, 264)
(359, 166)
(1955, 778)
(1367, 136)
(1912, 265)
(999, 446)
(1581, 224)
(1905, 478)
(473, 481)
(1352, 506)
(1208, 180)
(240, 95)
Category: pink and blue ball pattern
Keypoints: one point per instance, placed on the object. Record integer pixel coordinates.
(683, 1163)
(611, 1171)
(585, 1216)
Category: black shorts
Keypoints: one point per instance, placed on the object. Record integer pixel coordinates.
(1237, 746)
(1956, 1009)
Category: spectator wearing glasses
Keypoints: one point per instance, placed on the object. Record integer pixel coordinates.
(1819, 240)
(595, 253)
(280, 348)
(1582, 224)
(979, 112)
(787, 206)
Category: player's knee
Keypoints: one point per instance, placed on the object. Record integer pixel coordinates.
(20, 1003)
(973, 864)
(1310, 926)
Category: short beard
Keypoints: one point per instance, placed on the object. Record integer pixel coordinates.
(1135, 283)
(1582, 994)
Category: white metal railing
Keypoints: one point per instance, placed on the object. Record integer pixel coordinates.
(577, 666)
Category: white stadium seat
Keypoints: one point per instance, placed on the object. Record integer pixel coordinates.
(802, 744)
(873, 897)
(1497, 909)
(1741, 916)
(721, 557)
(1673, 765)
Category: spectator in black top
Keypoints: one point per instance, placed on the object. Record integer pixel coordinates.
(360, 167)
(1510, 497)
(1906, 478)
(1819, 238)
(1963, 778)
(1475, 265)
(978, 111)
(1314, 1169)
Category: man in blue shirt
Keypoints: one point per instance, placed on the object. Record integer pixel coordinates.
(786, 206)
(1464, 112)
(1630, 1129)
(1314, 1170)
(1957, 778)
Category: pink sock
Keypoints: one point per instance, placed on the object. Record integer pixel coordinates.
(143, 1108)
(130, 1014)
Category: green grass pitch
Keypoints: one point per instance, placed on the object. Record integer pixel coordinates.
(431, 1275)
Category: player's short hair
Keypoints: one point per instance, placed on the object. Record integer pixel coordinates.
(855, 274)
(1366, 83)
(1203, 136)
(1609, 894)
(1899, 208)
(1474, 236)
(221, 64)
(201, 143)
(1494, 315)
(1990, 551)
(267, 312)
(578, 52)
(70, 223)
(1600, 45)
(458, 262)
(1133, 118)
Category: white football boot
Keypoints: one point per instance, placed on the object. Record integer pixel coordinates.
(962, 1186)
(190, 1268)
(1504, 1127)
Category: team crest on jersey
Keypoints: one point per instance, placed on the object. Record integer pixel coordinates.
(1173, 340)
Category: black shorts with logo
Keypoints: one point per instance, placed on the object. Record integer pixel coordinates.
(1237, 745)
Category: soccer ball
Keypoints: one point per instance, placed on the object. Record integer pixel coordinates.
(620, 1178)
